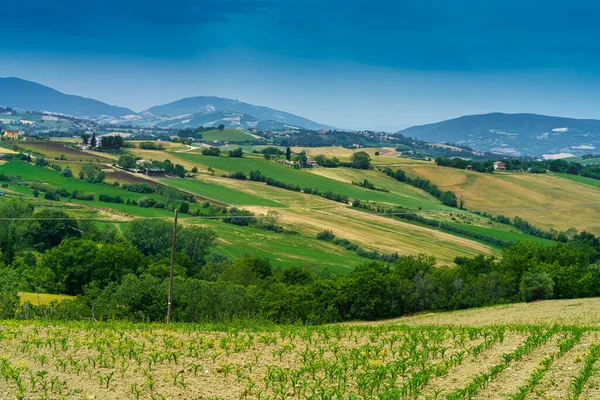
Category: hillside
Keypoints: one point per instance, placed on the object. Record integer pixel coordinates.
(19, 93)
(551, 201)
(514, 134)
(199, 105)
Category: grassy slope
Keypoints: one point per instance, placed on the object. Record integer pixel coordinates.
(546, 200)
(220, 193)
(580, 179)
(31, 172)
(301, 178)
(227, 135)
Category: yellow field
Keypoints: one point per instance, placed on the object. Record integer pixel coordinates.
(42, 298)
(6, 151)
(544, 200)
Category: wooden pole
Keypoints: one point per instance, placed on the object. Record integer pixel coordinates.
(170, 304)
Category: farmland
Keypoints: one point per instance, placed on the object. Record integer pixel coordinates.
(431, 361)
(547, 200)
(228, 135)
(60, 150)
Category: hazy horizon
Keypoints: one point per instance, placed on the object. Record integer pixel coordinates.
(346, 64)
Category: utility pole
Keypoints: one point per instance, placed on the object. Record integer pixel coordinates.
(172, 266)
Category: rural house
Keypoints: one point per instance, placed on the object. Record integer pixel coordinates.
(11, 135)
(499, 166)
(310, 163)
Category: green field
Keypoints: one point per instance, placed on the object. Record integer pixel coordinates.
(228, 135)
(281, 248)
(220, 193)
(580, 179)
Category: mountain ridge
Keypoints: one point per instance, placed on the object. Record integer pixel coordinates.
(516, 134)
(33, 96)
(208, 104)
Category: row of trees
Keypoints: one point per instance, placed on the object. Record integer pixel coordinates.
(515, 164)
(446, 197)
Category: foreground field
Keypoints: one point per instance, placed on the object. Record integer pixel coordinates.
(114, 361)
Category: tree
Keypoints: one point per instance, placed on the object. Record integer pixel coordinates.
(150, 236)
(84, 138)
(179, 171)
(302, 159)
(237, 153)
(221, 127)
(51, 227)
(288, 154)
(93, 141)
(360, 160)
(126, 161)
(212, 151)
(67, 172)
(536, 286)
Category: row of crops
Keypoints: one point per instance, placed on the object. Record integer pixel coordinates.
(104, 361)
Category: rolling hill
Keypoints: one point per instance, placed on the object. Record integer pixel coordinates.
(514, 134)
(19, 93)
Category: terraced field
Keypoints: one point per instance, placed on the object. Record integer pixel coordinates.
(362, 361)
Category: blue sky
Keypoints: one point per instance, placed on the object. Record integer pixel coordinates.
(356, 64)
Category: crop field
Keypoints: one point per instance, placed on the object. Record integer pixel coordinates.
(546, 200)
(31, 172)
(52, 149)
(383, 361)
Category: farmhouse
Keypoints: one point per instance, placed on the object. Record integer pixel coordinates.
(311, 163)
(154, 171)
(499, 166)
(26, 122)
(11, 135)
(49, 118)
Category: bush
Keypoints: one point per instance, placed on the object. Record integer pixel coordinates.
(325, 235)
(67, 172)
(237, 153)
(110, 199)
(52, 196)
(147, 202)
(138, 187)
(257, 176)
(238, 175)
(212, 151)
(536, 286)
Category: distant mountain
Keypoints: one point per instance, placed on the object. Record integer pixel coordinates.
(229, 119)
(207, 105)
(516, 134)
(19, 93)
